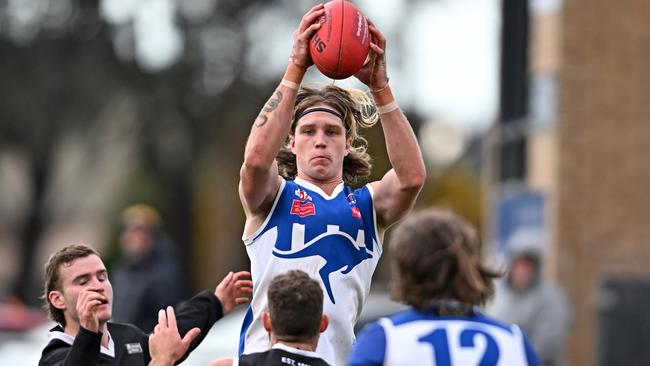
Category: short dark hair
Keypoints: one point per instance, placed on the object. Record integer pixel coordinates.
(51, 280)
(295, 306)
(434, 256)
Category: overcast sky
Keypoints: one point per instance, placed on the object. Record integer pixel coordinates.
(450, 57)
(448, 52)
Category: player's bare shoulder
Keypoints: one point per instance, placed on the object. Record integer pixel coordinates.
(255, 217)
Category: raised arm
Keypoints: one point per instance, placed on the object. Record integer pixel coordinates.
(204, 309)
(259, 180)
(395, 193)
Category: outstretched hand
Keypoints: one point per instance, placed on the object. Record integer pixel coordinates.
(234, 290)
(165, 343)
(373, 73)
(300, 55)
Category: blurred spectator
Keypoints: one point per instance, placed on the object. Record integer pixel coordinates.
(539, 306)
(148, 277)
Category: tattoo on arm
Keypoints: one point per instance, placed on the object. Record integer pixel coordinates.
(270, 106)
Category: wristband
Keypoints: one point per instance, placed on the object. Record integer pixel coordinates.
(387, 108)
(294, 74)
(290, 84)
(380, 89)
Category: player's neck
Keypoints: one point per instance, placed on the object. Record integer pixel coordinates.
(311, 347)
(326, 186)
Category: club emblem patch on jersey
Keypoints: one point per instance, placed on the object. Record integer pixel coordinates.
(355, 210)
(302, 206)
(132, 348)
(304, 196)
(302, 209)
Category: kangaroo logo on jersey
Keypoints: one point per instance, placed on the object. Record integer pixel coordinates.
(340, 251)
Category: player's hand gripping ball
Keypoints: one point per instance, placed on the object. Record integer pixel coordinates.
(340, 47)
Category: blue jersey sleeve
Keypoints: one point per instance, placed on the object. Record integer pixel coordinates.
(370, 347)
(531, 355)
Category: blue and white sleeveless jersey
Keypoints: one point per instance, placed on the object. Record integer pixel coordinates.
(418, 338)
(334, 240)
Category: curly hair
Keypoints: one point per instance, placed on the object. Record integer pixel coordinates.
(434, 257)
(357, 110)
(51, 280)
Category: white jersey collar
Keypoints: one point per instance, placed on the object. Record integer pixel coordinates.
(317, 189)
(67, 338)
(296, 351)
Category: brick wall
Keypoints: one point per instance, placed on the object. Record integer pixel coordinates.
(603, 211)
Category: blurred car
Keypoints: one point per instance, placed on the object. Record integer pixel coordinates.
(17, 317)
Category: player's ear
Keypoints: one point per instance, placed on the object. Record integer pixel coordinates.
(348, 145)
(324, 323)
(266, 321)
(56, 299)
(292, 143)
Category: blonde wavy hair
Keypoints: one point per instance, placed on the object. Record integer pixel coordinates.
(357, 109)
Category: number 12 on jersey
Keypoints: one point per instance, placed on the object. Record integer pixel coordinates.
(439, 341)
